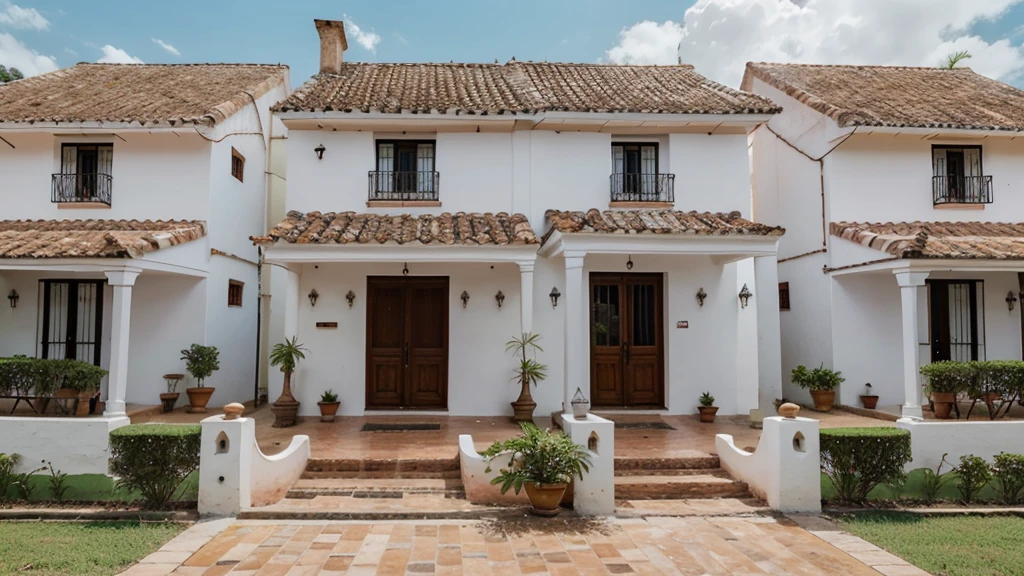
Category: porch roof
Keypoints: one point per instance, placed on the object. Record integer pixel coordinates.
(51, 239)
(652, 221)
(938, 240)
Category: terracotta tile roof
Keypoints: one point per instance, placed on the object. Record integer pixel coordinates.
(657, 222)
(144, 93)
(520, 87)
(93, 238)
(954, 240)
(897, 96)
(445, 229)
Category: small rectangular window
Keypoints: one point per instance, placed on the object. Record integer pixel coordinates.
(235, 292)
(783, 295)
(237, 164)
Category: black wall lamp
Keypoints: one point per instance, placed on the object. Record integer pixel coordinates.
(313, 296)
(629, 262)
(465, 298)
(701, 296)
(745, 296)
(13, 297)
(554, 297)
(500, 298)
(319, 152)
(351, 297)
(1011, 299)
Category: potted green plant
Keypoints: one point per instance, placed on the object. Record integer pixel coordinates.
(822, 383)
(946, 379)
(170, 398)
(542, 461)
(868, 399)
(328, 406)
(286, 355)
(529, 372)
(707, 408)
(200, 361)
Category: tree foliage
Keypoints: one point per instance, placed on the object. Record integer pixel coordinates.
(9, 74)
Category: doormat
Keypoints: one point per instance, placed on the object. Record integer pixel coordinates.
(656, 425)
(414, 427)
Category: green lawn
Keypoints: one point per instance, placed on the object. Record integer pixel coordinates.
(78, 548)
(96, 488)
(946, 545)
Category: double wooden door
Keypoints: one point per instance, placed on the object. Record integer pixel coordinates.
(953, 320)
(626, 340)
(407, 343)
(72, 320)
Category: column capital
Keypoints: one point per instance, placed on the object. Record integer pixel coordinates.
(526, 266)
(574, 258)
(906, 278)
(122, 277)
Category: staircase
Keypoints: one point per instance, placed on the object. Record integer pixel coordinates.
(675, 479)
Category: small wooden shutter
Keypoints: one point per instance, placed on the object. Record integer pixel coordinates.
(783, 295)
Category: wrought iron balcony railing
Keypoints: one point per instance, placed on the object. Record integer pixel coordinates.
(81, 188)
(404, 186)
(961, 190)
(630, 187)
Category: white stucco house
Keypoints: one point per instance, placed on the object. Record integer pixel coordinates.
(435, 211)
(129, 193)
(902, 191)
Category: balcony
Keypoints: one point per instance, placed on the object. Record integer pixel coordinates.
(643, 188)
(81, 189)
(404, 186)
(961, 190)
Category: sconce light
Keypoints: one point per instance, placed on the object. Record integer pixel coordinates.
(554, 297)
(629, 262)
(701, 296)
(1011, 299)
(319, 152)
(351, 297)
(405, 269)
(13, 297)
(313, 295)
(745, 295)
(464, 298)
(500, 298)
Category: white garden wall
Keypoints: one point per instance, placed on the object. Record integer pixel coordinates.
(73, 445)
(930, 440)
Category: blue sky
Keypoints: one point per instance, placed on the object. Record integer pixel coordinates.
(718, 36)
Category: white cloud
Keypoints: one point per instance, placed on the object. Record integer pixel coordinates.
(112, 55)
(14, 54)
(25, 18)
(720, 36)
(166, 46)
(368, 40)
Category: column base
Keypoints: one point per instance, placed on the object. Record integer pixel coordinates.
(114, 408)
(912, 411)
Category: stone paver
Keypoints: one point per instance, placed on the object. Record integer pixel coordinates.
(862, 550)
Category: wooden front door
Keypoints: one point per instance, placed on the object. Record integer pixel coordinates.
(953, 313)
(72, 320)
(626, 340)
(407, 343)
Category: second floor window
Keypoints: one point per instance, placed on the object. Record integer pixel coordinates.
(635, 176)
(957, 176)
(405, 171)
(85, 173)
(237, 164)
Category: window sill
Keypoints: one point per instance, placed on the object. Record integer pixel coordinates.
(403, 204)
(82, 205)
(635, 205)
(956, 206)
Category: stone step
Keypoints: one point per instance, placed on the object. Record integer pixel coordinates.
(383, 468)
(653, 487)
(406, 507)
(698, 461)
(307, 488)
(671, 472)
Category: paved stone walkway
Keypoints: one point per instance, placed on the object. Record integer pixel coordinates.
(515, 544)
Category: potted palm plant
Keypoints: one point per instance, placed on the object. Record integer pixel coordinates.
(328, 406)
(707, 408)
(200, 361)
(529, 372)
(822, 384)
(542, 461)
(286, 355)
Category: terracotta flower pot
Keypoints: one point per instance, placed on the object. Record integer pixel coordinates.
(707, 413)
(169, 399)
(328, 410)
(524, 406)
(869, 402)
(198, 398)
(823, 399)
(990, 397)
(943, 402)
(545, 497)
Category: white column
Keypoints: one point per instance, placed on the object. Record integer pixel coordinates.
(769, 339)
(292, 304)
(909, 283)
(120, 321)
(576, 337)
(526, 296)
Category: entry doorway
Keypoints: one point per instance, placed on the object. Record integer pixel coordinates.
(627, 367)
(407, 343)
(957, 332)
(71, 320)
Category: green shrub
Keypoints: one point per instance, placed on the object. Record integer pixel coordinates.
(933, 482)
(24, 376)
(973, 474)
(201, 361)
(154, 459)
(949, 376)
(1008, 472)
(7, 464)
(858, 459)
(820, 378)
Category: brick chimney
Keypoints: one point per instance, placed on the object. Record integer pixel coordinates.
(332, 45)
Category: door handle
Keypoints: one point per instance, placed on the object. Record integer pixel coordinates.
(405, 355)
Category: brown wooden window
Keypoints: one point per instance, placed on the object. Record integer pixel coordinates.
(235, 292)
(237, 164)
(783, 295)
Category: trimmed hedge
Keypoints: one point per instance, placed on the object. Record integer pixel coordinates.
(24, 376)
(858, 459)
(1005, 377)
(154, 459)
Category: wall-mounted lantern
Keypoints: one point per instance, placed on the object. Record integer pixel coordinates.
(313, 296)
(351, 297)
(319, 152)
(554, 297)
(500, 298)
(701, 296)
(465, 298)
(629, 262)
(745, 296)
(13, 297)
(405, 269)
(1011, 299)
